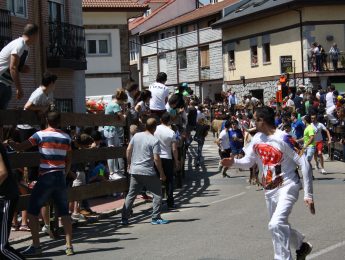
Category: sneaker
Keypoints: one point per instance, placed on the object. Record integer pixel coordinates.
(69, 251)
(159, 221)
(78, 217)
(303, 251)
(24, 228)
(32, 251)
(124, 222)
(226, 175)
(46, 229)
(323, 171)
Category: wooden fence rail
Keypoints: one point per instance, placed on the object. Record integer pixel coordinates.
(29, 159)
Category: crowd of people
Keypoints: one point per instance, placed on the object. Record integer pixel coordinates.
(163, 124)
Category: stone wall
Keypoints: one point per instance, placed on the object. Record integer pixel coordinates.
(191, 73)
(216, 60)
(270, 88)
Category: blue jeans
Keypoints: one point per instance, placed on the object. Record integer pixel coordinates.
(199, 150)
(5, 95)
(309, 153)
(50, 185)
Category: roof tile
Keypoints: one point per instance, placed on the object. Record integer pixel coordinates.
(201, 12)
(112, 4)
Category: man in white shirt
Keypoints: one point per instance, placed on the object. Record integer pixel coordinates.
(169, 154)
(12, 61)
(274, 152)
(160, 94)
(330, 105)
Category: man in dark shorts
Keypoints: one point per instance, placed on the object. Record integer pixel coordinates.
(224, 145)
(55, 160)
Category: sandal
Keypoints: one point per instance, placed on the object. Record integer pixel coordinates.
(24, 228)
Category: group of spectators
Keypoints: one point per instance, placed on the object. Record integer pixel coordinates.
(320, 58)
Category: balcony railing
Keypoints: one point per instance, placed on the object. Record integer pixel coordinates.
(66, 46)
(187, 39)
(210, 35)
(326, 64)
(167, 44)
(149, 49)
(5, 27)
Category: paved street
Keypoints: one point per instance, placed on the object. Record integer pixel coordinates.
(217, 219)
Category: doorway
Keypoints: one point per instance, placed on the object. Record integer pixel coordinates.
(259, 94)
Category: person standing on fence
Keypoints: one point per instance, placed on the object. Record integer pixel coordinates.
(143, 154)
(9, 195)
(169, 154)
(275, 153)
(55, 162)
(114, 134)
(12, 62)
(160, 94)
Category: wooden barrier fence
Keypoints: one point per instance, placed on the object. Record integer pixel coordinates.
(27, 159)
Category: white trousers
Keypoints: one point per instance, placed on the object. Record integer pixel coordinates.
(330, 115)
(279, 206)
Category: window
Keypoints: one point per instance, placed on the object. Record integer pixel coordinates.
(188, 28)
(133, 48)
(145, 67)
(266, 53)
(231, 60)
(98, 45)
(182, 60)
(205, 56)
(17, 7)
(147, 13)
(254, 55)
(64, 105)
(162, 63)
(56, 10)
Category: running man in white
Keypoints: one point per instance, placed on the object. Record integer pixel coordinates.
(274, 152)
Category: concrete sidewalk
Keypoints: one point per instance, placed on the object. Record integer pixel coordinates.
(105, 207)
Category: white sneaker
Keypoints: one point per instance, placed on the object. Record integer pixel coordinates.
(323, 171)
(46, 229)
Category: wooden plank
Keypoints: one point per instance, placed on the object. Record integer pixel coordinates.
(85, 192)
(73, 119)
(97, 189)
(29, 159)
(14, 117)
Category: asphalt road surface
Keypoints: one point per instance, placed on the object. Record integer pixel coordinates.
(216, 219)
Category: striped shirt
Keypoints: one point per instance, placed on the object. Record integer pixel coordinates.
(53, 145)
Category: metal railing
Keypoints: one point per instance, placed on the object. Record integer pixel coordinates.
(326, 63)
(66, 41)
(5, 28)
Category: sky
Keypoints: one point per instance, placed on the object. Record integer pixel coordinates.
(205, 1)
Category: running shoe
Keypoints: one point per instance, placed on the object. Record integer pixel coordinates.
(124, 222)
(323, 171)
(32, 251)
(69, 251)
(159, 221)
(303, 251)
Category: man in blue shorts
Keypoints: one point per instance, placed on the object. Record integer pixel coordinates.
(55, 160)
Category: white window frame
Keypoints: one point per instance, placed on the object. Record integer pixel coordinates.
(97, 38)
(12, 6)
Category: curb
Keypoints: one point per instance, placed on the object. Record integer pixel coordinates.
(102, 215)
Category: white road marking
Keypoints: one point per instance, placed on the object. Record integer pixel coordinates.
(228, 198)
(326, 250)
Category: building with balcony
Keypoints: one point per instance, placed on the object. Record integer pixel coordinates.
(107, 51)
(188, 50)
(159, 12)
(264, 38)
(60, 48)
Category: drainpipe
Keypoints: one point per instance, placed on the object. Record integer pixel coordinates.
(301, 39)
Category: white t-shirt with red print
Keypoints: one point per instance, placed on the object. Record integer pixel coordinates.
(277, 159)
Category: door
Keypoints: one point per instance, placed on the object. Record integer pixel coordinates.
(259, 94)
